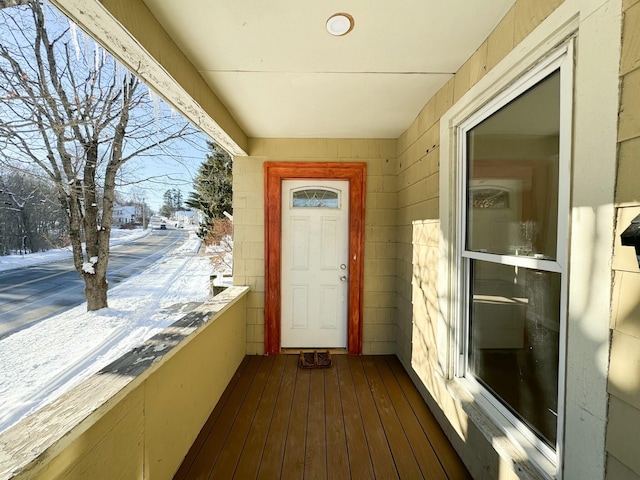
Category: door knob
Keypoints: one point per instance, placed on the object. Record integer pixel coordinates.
(343, 278)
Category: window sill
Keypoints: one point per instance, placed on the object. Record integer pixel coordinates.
(511, 445)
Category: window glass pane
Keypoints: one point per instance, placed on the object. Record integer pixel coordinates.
(315, 198)
(512, 194)
(514, 338)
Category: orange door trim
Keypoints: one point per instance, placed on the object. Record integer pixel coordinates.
(274, 173)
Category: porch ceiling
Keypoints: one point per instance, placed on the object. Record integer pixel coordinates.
(280, 74)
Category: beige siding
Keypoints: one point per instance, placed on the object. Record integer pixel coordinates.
(379, 331)
(624, 370)
(418, 152)
(618, 470)
(248, 244)
(418, 236)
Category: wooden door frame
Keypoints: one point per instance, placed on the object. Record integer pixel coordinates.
(274, 173)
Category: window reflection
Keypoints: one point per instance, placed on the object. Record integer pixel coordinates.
(513, 176)
(514, 338)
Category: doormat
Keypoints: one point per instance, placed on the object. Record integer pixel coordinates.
(315, 359)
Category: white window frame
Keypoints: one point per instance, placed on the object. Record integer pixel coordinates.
(597, 30)
(544, 457)
(560, 30)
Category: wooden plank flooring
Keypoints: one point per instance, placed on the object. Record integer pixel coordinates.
(360, 419)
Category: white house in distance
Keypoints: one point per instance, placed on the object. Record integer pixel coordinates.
(186, 217)
(123, 214)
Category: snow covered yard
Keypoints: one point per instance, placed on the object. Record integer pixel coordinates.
(40, 363)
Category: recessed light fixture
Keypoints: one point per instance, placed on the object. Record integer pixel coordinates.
(339, 24)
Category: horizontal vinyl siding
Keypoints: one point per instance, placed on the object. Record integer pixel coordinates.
(623, 448)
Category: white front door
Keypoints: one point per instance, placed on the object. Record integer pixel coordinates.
(315, 276)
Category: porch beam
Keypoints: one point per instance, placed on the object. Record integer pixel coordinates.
(128, 30)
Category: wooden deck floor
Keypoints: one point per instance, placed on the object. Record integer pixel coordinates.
(362, 419)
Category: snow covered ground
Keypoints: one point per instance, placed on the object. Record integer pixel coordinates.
(40, 363)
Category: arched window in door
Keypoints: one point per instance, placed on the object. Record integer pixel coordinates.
(315, 197)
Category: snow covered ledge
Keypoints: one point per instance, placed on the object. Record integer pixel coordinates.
(137, 417)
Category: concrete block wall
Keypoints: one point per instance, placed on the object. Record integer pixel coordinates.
(379, 332)
(623, 449)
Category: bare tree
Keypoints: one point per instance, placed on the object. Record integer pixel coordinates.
(12, 3)
(29, 214)
(139, 201)
(17, 204)
(68, 108)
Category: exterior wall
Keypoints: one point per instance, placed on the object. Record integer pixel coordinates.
(623, 449)
(418, 236)
(418, 165)
(149, 422)
(379, 333)
(418, 179)
(419, 307)
(248, 244)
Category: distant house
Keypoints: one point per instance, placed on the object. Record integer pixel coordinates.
(123, 214)
(186, 217)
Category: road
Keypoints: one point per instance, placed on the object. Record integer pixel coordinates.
(32, 294)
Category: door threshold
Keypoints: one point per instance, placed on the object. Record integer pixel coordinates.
(296, 351)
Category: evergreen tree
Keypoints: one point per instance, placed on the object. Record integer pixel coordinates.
(172, 202)
(213, 188)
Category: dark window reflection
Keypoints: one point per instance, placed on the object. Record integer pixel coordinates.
(514, 340)
(512, 196)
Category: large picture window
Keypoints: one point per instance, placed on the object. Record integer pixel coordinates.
(513, 240)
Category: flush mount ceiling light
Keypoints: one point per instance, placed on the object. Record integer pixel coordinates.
(339, 24)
